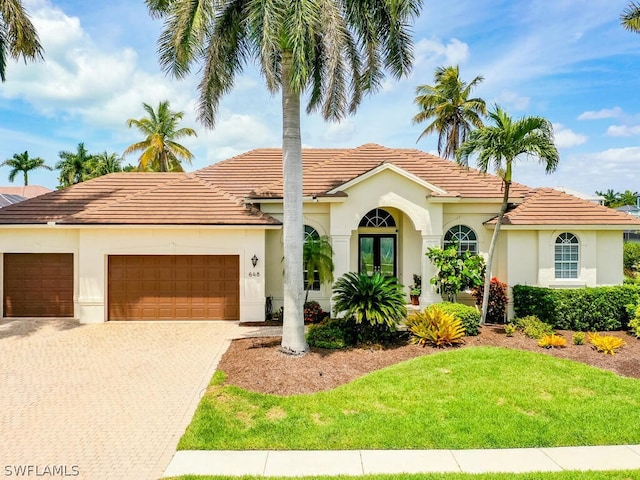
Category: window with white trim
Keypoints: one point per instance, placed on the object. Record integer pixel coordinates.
(567, 255)
(462, 236)
(311, 233)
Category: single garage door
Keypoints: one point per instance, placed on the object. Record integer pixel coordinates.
(174, 287)
(38, 285)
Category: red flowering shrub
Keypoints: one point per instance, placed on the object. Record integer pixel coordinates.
(313, 312)
(498, 300)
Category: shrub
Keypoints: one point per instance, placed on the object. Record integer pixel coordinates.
(578, 338)
(631, 258)
(552, 341)
(328, 334)
(634, 323)
(607, 344)
(313, 312)
(469, 316)
(435, 327)
(498, 300)
(374, 304)
(509, 329)
(583, 309)
(457, 271)
(533, 327)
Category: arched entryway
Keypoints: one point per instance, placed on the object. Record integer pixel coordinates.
(377, 243)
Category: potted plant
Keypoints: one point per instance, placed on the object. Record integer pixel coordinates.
(415, 289)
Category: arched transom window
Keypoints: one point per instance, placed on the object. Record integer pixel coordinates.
(567, 255)
(378, 218)
(464, 237)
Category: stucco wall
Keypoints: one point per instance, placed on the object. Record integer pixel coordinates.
(91, 247)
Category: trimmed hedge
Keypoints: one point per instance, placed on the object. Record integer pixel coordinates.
(583, 309)
(469, 316)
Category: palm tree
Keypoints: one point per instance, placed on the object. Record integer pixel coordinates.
(628, 198)
(317, 258)
(21, 162)
(630, 17)
(74, 167)
(499, 145)
(105, 163)
(452, 113)
(160, 153)
(610, 197)
(336, 50)
(18, 36)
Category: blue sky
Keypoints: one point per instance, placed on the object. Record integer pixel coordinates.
(567, 60)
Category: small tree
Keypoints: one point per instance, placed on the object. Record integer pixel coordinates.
(456, 271)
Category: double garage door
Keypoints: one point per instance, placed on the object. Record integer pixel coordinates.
(174, 287)
(140, 287)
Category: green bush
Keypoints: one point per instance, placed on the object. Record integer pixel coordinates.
(583, 309)
(533, 327)
(634, 323)
(631, 258)
(469, 316)
(372, 306)
(328, 334)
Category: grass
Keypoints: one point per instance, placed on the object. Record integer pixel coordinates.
(469, 398)
(570, 475)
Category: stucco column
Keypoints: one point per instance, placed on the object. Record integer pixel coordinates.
(341, 245)
(429, 294)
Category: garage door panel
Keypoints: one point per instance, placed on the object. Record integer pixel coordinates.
(174, 287)
(38, 285)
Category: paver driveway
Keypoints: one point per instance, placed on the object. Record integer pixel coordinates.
(105, 401)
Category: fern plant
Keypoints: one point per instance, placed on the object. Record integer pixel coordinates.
(607, 344)
(552, 341)
(435, 327)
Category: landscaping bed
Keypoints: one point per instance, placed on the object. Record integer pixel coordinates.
(256, 364)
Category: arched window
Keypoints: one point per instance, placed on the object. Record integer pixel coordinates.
(377, 218)
(567, 255)
(464, 237)
(311, 233)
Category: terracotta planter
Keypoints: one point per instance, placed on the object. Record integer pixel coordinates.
(415, 299)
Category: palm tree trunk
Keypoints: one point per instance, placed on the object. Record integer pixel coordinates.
(492, 248)
(26, 177)
(293, 340)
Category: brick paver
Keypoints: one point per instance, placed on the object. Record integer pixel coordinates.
(106, 401)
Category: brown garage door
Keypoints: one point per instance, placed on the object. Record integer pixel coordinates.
(38, 285)
(174, 287)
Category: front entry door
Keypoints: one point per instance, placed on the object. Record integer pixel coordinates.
(377, 253)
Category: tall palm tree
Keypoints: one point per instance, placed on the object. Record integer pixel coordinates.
(160, 153)
(610, 198)
(21, 162)
(105, 163)
(18, 36)
(630, 17)
(500, 145)
(336, 50)
(447, 105)
(628, 198)
(317, 258)
(74, 167)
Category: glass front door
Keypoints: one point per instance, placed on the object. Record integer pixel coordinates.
(377, 253)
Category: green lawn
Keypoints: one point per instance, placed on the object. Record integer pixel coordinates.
(468, 398)
(617, 475)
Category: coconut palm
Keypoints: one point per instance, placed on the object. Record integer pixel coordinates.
(630, 17)
(21, 162)
(105, 163)
(75, 167)
(448, 106)
(610, 198)
(18, 36)
(334, 50)
(317, 258)
(160, 152)
(499, 146)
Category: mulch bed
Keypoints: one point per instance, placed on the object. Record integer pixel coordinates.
(257, 364)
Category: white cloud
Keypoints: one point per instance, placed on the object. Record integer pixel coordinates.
(336, 132)
(623, 131)
(567, 138)
(614, 112)
(436, 52)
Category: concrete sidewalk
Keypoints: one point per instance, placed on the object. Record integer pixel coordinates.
(360, 462)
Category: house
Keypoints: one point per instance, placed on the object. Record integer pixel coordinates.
(208, 244)
(11, 195)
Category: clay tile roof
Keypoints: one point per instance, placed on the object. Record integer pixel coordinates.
(137, 198)
(546, 206)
